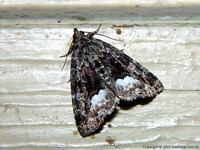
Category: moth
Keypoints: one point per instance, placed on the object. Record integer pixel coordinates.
(101, 77)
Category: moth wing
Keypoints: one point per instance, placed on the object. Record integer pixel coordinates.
(91, 101)
(131, 79)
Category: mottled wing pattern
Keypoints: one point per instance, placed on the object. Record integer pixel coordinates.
(101, 75)
(91, 102)
(131, 79)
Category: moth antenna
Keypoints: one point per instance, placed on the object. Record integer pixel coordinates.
(90, 34)
(96, 32)
(64, 64)
(109, 37)
(98, 29)
(67, 54)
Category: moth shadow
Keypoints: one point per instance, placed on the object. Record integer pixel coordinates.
(125, 105)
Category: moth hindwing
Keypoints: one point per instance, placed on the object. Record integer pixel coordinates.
(101, 76)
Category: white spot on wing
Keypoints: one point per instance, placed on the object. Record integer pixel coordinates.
(125, 83)
(97, 99)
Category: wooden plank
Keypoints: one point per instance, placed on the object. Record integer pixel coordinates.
(140, 115)
(35, 99)
(105, 2)
(33, 13)
(41, 136)
(174, 61)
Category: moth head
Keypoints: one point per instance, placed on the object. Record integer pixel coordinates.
(77, 34)
(75, 31)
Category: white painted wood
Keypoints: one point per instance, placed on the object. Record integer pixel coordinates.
(31, 13)
(151, 3)
(35, 99)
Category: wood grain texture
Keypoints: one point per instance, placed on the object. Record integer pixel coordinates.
(35, 99)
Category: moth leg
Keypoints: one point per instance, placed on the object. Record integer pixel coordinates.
(90, 34)
(69, 80)
(69, 51)
(67, 54)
